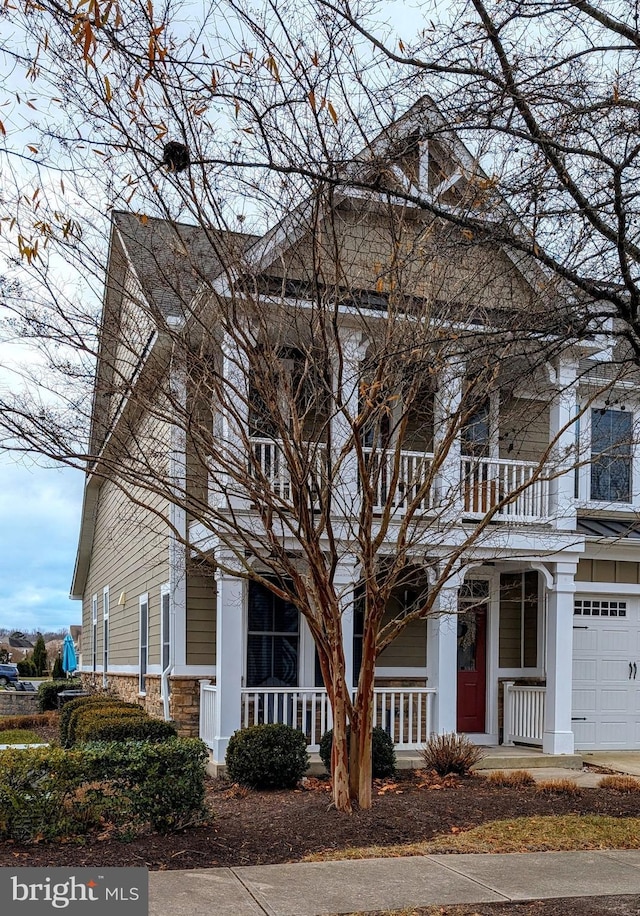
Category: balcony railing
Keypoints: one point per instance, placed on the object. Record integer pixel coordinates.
(268, 460)
(487, 482)
(207, 729)
(410, 489)
(516, 486)
(523, 713)
(404, 713)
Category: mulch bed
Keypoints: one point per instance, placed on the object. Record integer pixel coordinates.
(257, 828)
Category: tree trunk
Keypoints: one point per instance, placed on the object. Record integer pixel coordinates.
(340, 754)
(364, 704)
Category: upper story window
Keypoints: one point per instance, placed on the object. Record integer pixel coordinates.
(611, 455)
(475, 436)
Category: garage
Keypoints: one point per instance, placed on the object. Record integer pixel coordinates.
(606, 673)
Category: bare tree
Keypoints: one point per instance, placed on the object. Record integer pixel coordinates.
(321, 387)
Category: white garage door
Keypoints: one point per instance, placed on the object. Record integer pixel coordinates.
(606, 673)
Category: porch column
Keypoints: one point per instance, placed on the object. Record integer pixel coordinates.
(229, 659)
(446, 409)
(442, 658)
(346, 386)
(558, 736)
(231, 421)
(562, 433)
(345, 584)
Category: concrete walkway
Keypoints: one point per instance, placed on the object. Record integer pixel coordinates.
(315, 889)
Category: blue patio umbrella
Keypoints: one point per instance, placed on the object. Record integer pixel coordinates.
(69, 660)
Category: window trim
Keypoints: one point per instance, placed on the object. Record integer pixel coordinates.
(94, 633)
(165, 630)
(105, 634)
(143, 647)
(583, 470)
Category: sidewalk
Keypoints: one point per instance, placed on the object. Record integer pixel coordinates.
(314, 889)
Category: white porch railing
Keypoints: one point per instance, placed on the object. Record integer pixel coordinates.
(413, 474)
(523, 713)
(487, 481)
(405, 713)
(207, 713)
(268, 459)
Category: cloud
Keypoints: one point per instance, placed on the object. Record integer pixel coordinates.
(39, 522)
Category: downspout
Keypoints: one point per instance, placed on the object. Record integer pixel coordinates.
(177, 513)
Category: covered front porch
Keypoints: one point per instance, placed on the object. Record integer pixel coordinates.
(494, 662)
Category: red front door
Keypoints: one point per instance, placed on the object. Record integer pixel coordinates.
(472, 661)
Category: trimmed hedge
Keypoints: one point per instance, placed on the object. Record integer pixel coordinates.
(383, 762)
(49, 792)
(72, 711)
(121, 726)
(28, 721)
(267, 756)
(48, 693)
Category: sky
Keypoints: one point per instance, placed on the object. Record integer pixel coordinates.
(39, 524)
(40, 508)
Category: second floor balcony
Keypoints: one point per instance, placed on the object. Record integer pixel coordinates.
(406, 480)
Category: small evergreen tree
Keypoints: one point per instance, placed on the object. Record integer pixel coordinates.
(58, 671)
(40, 655)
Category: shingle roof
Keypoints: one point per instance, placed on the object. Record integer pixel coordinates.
(172, 260)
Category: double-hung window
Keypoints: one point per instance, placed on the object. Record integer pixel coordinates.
(611, 455)
(272, 640)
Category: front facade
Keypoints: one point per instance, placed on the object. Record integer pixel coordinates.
(535, 637)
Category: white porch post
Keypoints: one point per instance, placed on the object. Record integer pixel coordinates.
(346, 384)
(442, 658)
(344, 583)
(229, 658)
(177, 518)
(231, 423)
(446, 408)
(558, 736)
(562, 432)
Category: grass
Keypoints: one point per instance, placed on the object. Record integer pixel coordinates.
(19, 736)
(510, 778)
(521, 834)
(620, 783)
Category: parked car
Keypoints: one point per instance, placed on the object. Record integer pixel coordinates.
(8, 675)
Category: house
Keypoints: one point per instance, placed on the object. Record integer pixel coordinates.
(518, 462)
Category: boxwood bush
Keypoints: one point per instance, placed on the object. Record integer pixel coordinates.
(50, 792)
(120, 725)
(73, 711)
(267, 756)
(383, 762)
(48, 693)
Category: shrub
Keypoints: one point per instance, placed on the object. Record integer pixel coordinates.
(29, 721)
(267, 756)
(620, 783)
(383, 753)
(514, 779)
(26, 668)
(87, 717)
(120, 727)
(48, 693)
(39, 796)
(68, 712)
(451, 754)
(49, 792)
(559, 787)
(157, 784)
(57, 672)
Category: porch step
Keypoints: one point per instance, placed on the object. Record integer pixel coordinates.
(525, 758)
